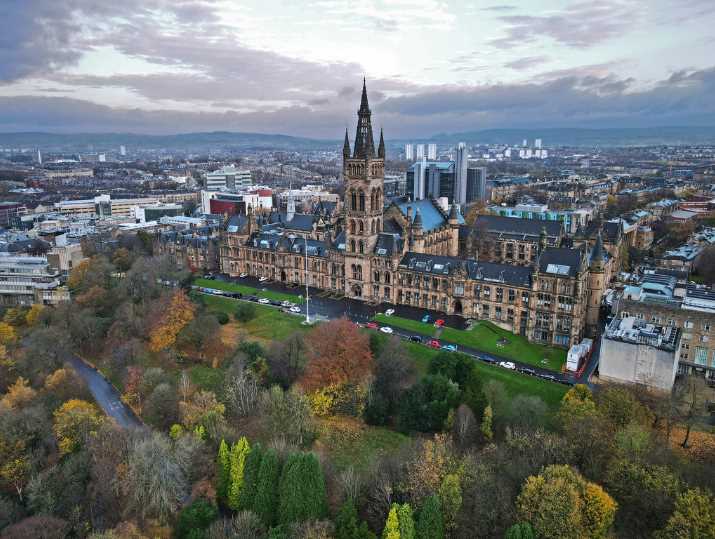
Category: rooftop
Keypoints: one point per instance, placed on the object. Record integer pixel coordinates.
(633, 330)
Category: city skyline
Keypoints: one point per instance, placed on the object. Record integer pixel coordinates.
(169, 67)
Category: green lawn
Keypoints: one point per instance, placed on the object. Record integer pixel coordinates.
(269, 324)
(248, 290)
(355, 444)
(484, 336)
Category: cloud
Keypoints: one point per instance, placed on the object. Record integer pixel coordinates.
(580, 25)
(527, 62)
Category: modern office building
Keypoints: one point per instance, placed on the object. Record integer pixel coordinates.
(420, 152)
(461, 164)
(409, 152)
(432, 151)
(476, 185)
(228, 178)
(25, 280)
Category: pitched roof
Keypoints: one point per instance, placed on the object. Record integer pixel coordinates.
(560, 261)
(528, 229)
(481, 271)
(432, 216)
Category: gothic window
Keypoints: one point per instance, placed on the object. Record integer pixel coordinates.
(352, 246)
(352, 227)
(362, 247)
(353, 200)
(372, 227)
(361, 227)
(387, 278)
(376, 277)
(362, 200)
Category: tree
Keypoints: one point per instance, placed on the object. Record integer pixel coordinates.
(560, 503)
(41, 526)
(154, 481)
(74, 421)
(173, 317)
(240, 390)
(407, 521)
(392, 526)
(202, 409)
(691, 398)
(486, 426)
(620, 407)
(338, 354)
(162, 407)
(427, 468)
(705, 264)
(265, 503)
(122, 259)
(19, 394)
(347, 524)
(693, 517)
(576, 403)
(450, 494)
(196, 518)
(302, 490)
(250, 478)
(429, 521)
(15, 464)
(287, 415)
(521, 530)
(223, 470)
(7, 334)
(287, 360)
(239, 453)
(426, 405)
(245, 312)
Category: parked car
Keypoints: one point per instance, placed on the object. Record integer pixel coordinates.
(415, 338)
(526, 370)
(262, 279)
(449, 347)
(252, 298)
(389, 312)
(434, 343)
(295, 309)
(286, 303)
(243, 275)
(275, 302)
(386, 329)
(507, 365)
(439, 322)
(264, 301)
(425, 319)
(372, 325)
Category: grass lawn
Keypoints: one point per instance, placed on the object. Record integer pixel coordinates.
(269, 323)
(484, 336)
(206, 377)
(248, 290)
(350, 442)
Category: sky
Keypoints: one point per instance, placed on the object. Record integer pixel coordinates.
(296, 66)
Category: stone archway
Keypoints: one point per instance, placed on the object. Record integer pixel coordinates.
(357, 291)
(458, 307)
(283, 275)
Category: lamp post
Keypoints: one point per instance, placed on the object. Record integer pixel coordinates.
(307, 309)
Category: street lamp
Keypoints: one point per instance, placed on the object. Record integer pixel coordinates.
(307, 311)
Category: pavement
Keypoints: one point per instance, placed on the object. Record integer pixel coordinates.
(105, 394)
(325, 307)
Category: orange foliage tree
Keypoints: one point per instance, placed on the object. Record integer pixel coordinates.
(338, 353)
(171, 320)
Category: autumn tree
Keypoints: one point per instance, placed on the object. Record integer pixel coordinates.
(171, 319)
(202, 409)
(693, 517)
(8, 334)
(223, 470)
(18, 394)
(15, 464)
(560, 503)
(691, 396)
(74, 421)
(238, 456)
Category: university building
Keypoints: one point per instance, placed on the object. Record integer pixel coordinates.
(409, 254)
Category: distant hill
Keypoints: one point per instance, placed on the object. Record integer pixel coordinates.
(105, 141)
(585, 137)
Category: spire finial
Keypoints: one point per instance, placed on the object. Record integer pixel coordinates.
(381, 146)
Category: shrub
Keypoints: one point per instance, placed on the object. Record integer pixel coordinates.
(222, 318)
(245, 312)
(195, 519)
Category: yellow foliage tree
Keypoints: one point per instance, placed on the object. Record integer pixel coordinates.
(78, 274)
(34, 314)
(74, 421)
(174, 318)
(19, 394)
(14, 464)
(7, 333)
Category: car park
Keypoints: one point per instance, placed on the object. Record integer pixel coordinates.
(449, 347)
(372, 325)
(434, 343)
(389, 312)
(507, 365)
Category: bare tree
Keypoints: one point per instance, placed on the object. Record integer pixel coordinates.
(241, 391)
(691, 397)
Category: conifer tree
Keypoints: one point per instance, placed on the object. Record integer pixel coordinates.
(407, 521)
(250, 478)
(239, 453)
(392, 526)
(430, 524)
(487, 419)
(265, 502)
(223, 470)
(347, 524)
(302, 490)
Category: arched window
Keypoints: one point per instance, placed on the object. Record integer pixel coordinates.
(362, 247)
(352, 246)
(372, 227)
(361, 227)
(387, 278)
(362, 200)
(353, 200)
(352, 227)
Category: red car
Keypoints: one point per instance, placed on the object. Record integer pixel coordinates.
(371, 325)
(439, 322)
(434, 343)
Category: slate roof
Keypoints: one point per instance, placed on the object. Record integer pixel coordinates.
(236, 223)
(517, 228)
(388, 244)
(432, 216)
(274, 241)
(480, 271)
(560, 261)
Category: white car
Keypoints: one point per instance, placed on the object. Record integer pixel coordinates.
(295, 309)
(507, 365)
(262, 279)
(243, 275)
(389, 312)
(386, 329)
(286, 303)
(264, 301)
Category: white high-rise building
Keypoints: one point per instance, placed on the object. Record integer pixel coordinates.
(39, 157)
(537, 144)
(122, 150)
(420, 152)
(418, 182)
(525, 143)
(460, 170)
(409, 152)
(432, 151)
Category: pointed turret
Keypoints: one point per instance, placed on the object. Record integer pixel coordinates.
(381, 146)
(542, 240)
(346, 146)
(364, 143)
(453, 213)
(417, 223)
(597, 255)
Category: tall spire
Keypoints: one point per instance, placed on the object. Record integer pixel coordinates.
(364, 144)
(381, 146)
(346, 146)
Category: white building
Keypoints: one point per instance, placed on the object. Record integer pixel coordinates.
(537, 143)
(420, 152)
(432, 152)
(409, 152)
(25, 280)
(228, 178)
(461, 164)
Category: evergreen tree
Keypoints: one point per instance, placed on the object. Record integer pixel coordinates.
(265, 502)
(521, 530)
(392, 526)
(347, 524)
(223, 470)
(407, 521)
(302, 490)
(239, 453)
(486, 427)
(429, 523)
(250, 478)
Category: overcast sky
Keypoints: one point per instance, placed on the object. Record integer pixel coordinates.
(296, 67)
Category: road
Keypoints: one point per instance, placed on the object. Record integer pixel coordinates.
(324, 306)
(105, 394)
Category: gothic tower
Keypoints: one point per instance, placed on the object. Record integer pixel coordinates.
(364, 174)
(596, 287)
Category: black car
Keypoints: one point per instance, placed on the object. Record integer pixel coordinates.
(530, 372)
(415, 338)
(252, 298)
(275, 303)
